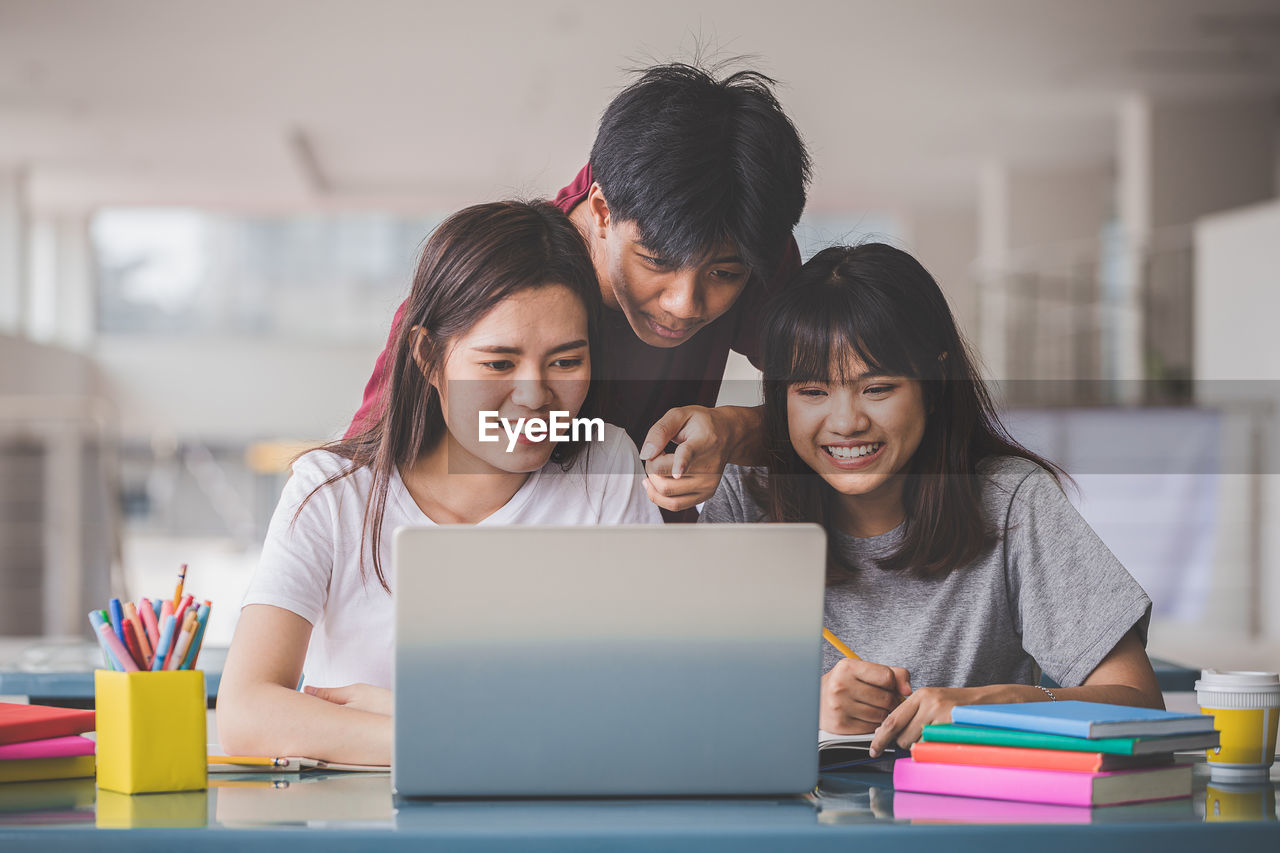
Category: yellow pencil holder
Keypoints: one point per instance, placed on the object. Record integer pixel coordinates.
(151, 731)
(177, 809)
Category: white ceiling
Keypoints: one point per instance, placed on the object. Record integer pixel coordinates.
(436, 105)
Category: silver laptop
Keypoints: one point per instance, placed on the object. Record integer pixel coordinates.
(607, 661)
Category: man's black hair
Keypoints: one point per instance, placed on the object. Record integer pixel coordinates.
(696, 162)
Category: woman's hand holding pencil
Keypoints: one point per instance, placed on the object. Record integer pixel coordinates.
(857, 695)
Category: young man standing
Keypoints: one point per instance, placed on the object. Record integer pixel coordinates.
(687, 203)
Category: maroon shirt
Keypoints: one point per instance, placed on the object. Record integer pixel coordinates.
(645, 382)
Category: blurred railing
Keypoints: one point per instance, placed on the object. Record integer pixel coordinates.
(1106, 309)
(59, 512)
(1104, 331)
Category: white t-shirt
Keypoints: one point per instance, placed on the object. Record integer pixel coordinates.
(312, 567)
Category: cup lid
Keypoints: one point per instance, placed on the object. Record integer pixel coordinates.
(1213, 679)
(1239, 775)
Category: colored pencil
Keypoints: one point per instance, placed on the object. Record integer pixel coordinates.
(177, 592)
(134, 624)
(131, 646)
(839, 646)
(117, 618)
(117, 648)
(96, 620)
(202, 618)
(182, 607)
(148, 615)
(843, 649)
(250, 760)
(131, 617)
(166, 643)
(179, 653)
(166, 612)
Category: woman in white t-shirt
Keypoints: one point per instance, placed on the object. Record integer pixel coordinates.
(502, 319)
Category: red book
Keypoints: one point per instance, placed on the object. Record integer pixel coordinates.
(936, 752)
(20, 723)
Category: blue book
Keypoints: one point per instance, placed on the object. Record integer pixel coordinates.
(1081, 719)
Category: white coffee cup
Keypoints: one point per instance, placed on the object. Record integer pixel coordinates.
(1246, 709)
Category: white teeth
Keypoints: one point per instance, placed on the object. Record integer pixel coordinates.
(853, 452)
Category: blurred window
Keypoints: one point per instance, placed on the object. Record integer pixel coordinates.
(178, 271)
(818, 231)
(332, 277)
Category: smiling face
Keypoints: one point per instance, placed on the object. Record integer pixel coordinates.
(858, 434)
(524, 359)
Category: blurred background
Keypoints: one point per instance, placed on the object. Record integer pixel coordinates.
(209, 211)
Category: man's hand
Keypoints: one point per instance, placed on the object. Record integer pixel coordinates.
(361, 697)
(704, 439)
(857, 695)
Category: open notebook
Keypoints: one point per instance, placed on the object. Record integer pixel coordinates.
(836, 751)
(827, 740)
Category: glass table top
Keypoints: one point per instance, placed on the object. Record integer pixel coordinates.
(340, 801)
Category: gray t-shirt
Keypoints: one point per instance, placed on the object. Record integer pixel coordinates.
(1048, 592)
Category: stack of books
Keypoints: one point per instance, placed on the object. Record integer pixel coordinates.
(1065, 753)
(41, 742)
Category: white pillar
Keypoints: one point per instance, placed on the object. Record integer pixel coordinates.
(13, 242)
(993, 258)
(61, 304)
(945, 240)
(1177, 162)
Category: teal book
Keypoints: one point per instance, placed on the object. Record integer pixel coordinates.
(954, 733)
(1082, 719)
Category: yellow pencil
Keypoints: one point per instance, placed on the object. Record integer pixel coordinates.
(251, 760)
(182, 579)
(840, 647)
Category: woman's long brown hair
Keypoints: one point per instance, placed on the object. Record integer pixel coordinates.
(473, 261)
(879, 304)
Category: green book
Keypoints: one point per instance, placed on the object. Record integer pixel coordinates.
(952, 733)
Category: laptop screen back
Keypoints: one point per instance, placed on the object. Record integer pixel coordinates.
(534, 661)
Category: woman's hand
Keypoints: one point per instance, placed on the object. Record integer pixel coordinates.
(361, 697)
(924, 707)
(857, 695)
(1124, 677)
(261, 712)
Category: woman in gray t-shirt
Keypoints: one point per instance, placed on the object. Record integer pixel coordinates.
(957, 569)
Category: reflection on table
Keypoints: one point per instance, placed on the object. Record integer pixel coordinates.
(349, 801)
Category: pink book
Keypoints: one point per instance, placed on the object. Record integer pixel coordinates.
(1063, 787)
(943, 808)
(936, 808)
(54, 747)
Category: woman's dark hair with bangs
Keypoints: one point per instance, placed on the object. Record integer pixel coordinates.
(473, 261)
(879, 304)
(696, 161)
